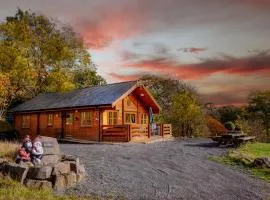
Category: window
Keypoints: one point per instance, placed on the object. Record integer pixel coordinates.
(50, 119)
(69, 119)
(25, 121)
(85, 118)
(130, 118)
(144, 118)
(112, 117)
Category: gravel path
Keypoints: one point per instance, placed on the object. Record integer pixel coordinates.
(162, 170)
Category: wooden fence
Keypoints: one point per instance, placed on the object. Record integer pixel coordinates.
(139, 130)
(115, 133)
(165, 129)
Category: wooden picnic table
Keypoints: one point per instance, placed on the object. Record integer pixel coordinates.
(234, 139)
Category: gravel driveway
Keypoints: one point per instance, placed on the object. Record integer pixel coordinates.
(162, 170)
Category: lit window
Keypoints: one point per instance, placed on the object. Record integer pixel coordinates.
(69, 119)
(144, 118)
(85, 118)
(25, 121)
(130, 118)
(50, 119)
(112, 117)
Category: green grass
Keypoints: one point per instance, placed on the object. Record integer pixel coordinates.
(11, 190)
(245, 156)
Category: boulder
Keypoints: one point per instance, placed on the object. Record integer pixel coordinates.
(38, 184)
(79, 177)
(61, 168)
(70, 158)
(71, 179)
(15, 171)
(41, 173)
(59, 182)
(50, 146)
(50, 159)
(262, 162)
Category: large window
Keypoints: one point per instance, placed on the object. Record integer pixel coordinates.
(144, 118)
(130, 118)
(85, 118)
(112, 117)
(25, 121)
(50, 119)
(69, 119)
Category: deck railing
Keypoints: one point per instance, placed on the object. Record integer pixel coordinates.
(119, 133)
(139, 130)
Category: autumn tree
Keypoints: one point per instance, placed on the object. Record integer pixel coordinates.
(39, 55)
(180, 104)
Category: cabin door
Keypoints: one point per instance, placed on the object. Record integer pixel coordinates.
(67, 124)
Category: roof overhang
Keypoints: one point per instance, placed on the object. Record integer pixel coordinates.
(144, 95)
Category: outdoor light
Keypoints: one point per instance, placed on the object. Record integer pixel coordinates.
(142, 94)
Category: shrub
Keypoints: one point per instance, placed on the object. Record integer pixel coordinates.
(214, 126)
(8, 150)
(230, 126)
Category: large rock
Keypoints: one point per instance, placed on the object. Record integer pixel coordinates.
(39, 184)
(42, 172)
(59, 182)
(50, 159)
(262, 162)
(71, 179)
(50, 146)
(61, 168)
(15, 171)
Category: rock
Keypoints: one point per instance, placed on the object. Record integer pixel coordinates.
(15, 171)
(81, 169)
(71, 179)
(43, 172)
(79, 177)
(70, 158)
(39, 184)
(50, 146)
(59, 182)
(61, 168)
(50, 159)
(262, 162)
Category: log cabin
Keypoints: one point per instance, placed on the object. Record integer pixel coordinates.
(113, 112)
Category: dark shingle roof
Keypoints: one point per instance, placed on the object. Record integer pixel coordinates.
(94, 96)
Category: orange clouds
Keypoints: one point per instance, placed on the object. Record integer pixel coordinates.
(169, 65)
(192, 50)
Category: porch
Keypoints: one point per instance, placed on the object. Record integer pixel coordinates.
(133, 132)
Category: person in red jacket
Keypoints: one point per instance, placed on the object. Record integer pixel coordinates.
(22, 156)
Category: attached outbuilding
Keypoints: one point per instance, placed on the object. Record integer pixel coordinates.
(113, 112)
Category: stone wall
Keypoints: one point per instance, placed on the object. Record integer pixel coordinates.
(56, 171)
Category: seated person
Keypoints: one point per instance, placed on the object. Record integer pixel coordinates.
(27, 144)
(37, 151)
(22, 156)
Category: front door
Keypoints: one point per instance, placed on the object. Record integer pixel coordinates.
(67, 124)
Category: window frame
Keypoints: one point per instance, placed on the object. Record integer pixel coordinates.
(144, 118)
(28, 121)
(48, 117)
(81, 119)
(130, 121)
(113, 118)
(70, 123)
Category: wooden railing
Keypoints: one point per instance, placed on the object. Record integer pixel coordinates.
(165, 129)
(138, 130)
(115, 133)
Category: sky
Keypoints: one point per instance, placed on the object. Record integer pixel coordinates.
(221, 47)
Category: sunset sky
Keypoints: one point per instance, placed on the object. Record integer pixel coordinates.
(221, 47)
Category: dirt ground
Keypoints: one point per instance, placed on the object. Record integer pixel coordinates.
(162, 170)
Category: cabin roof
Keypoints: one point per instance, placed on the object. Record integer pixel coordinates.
(93, 96)
(105, 95)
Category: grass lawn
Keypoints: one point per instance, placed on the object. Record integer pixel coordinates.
(245, 156)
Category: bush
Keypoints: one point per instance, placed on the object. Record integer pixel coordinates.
(230, 126)
(214, 126)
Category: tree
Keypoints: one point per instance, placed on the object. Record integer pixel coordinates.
(259, 106)
(230, 126)
(39, 55)
(180, 104)
(228, 113)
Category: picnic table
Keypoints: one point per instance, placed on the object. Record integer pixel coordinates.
(233, 139)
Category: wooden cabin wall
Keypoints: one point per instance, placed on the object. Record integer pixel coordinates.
(32, 130)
